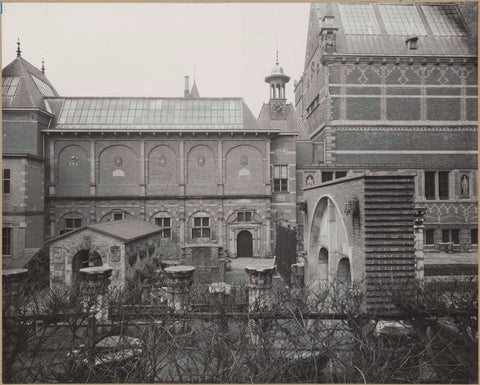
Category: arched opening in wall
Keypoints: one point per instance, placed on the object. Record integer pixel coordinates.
(83, 258)
(343, 271)
(323, 264)
(244, 244)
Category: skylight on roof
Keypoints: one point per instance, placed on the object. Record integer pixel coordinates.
(359, 19)
(9, 85)
(402, 20)
(43, 87)
(142, 111)
(444, 20)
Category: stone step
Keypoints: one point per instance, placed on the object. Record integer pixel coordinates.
(392, 242)
(381, 199)
(380, 180)
(399, 212)
(382, 261)
(388, 229)
(376, 187)
(386, 206)
(380, 250)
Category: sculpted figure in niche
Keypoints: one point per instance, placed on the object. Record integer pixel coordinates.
(118, 162)
(465, 186)
(310, 181)
(163, 161)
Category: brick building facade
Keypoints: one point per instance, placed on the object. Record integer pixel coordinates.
(394, 87)
(202, 169)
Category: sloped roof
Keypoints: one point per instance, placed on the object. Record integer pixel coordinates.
(194, 92)
(92, 113)
(32, 86)
(127, 230)
(293, 123)
(382, 29)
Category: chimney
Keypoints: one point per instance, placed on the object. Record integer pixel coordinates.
(186, 92)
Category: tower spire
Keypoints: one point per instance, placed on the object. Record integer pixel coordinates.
(19, 52)
(277, 54)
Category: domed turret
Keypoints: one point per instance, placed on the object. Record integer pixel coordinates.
(277, 80)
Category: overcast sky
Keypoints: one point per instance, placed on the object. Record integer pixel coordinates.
(147, 49)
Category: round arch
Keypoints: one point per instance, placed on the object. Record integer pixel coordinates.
(244, 244)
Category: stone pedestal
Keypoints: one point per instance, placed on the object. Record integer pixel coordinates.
(94, 282)
(260, 294)
(12, 281)
(220, 296)
(419, 258)
(179, 283)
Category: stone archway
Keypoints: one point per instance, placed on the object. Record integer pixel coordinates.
(244, 244)
(83, 258)
(343, 272)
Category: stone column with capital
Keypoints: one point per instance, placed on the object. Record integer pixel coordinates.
(419, 257)
(179, 283)
(94, 290)
(260, 294)
(12, 280)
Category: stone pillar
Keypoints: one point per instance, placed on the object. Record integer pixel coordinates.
(419, 265)
(260, 295)
(220, 296)
(94, 289)
(179, 282)
(12, 280)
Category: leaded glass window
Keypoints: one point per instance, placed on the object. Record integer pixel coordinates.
(43, 87)
(359, 19)
(402, 20)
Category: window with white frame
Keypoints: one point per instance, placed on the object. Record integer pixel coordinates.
(70, 223)
(437, 184)
(166, 224)
(244, 216)
(201, 227)
(280, 178)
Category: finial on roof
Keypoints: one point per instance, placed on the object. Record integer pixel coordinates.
(277, 54)
(19, 52)
(43, 67)
(194, 74)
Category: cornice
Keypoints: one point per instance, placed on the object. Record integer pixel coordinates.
(397, 59)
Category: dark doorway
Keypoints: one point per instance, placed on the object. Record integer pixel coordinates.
(83, 258)
(244, 244)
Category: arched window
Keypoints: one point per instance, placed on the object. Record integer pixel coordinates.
(116, 215)
(69, 222)
(343, 272)
(201, 225)
(323, 264)
(164, 220)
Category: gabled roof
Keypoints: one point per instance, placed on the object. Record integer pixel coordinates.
(136, 114)
(31, 85)
(127, 230)
(293, 123)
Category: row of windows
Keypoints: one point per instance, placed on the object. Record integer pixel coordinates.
(437, 185)
(450, 235)
(201, 225)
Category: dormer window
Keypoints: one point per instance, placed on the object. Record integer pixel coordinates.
(412, 42)
(328, 20)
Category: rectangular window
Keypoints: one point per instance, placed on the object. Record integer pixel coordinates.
(326, 176)
(436, 182)
(474, 236)
(165, 224)
(430, 185)
(455, 234)
(429, 237)
(340, 174)
(201, 227)
(444, 20)
(117, 216)
(244, 216)
(280, 178)
(6, 181)
(6, 241)
(443, 184)
(445, 235)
